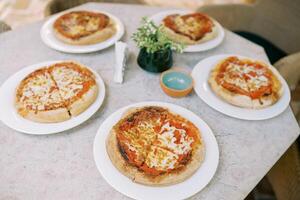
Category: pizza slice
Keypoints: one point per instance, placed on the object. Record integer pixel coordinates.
(136, 133)
(76, 84)
(38, 98)
(131, 139)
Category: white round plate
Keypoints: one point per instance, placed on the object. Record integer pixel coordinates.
(158, 18)
(48, 37)
(138, 191)
(12, 119)
(200, 75)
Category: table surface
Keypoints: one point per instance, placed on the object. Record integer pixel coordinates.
(61, 166)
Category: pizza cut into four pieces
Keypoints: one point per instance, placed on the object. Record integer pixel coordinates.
(245, 83)
(153, 146)
(55, 93)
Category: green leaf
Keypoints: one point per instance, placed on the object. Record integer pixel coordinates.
(153, 38)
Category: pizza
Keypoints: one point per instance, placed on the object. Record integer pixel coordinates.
(154, 146)
(55, 93)
(84, 27)
(245, 83)
(190, 29)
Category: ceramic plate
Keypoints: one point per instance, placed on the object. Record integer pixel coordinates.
(50, 40)
(157, 18)
(138, 191)
(200, 75)
(11, 118)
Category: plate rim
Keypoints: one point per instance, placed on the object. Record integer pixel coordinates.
(79, 49)
(109, 121)
(199, 89)
(196, 47)
(15, 79)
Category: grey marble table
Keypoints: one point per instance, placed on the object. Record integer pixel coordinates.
(61, 166)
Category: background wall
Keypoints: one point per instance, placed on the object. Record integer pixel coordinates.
(19, 12)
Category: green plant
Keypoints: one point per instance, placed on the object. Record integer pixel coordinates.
(153, 38)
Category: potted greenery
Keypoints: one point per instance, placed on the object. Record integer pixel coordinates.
(156, 49)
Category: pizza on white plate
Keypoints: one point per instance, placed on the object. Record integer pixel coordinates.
(189, 29)
(84, 27)
(56, 93)
(245, 83)
(154, 146)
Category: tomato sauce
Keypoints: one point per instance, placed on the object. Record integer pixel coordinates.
(258, 93)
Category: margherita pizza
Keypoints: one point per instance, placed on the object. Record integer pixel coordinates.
(55, 93)
(245, 83)
(84, 27)
(153, 146)
(190, 29)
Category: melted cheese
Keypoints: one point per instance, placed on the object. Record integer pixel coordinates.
(257, 82)
(139, 137)
(162, 155)
(69, 82)
(188, 26)
(253, 83)
(39, 92)
(167, 139)
(74, 28)
(92, 24)
(242, 83)
(161, 159)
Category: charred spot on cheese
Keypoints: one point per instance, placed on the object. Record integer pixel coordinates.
(186, 159)
(122, 151)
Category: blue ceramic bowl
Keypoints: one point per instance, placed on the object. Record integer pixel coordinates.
(176, 83)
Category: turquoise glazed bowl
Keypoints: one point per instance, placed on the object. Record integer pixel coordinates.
(176, 83)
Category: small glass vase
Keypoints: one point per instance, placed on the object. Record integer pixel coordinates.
(156, 62)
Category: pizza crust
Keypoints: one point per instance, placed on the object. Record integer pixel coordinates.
(235, 99)
(84, 102)
(179, 38)
(114, 154)
(96, 37)
(271, 99)
(116, 158)
(50, 116)
(243, 100)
